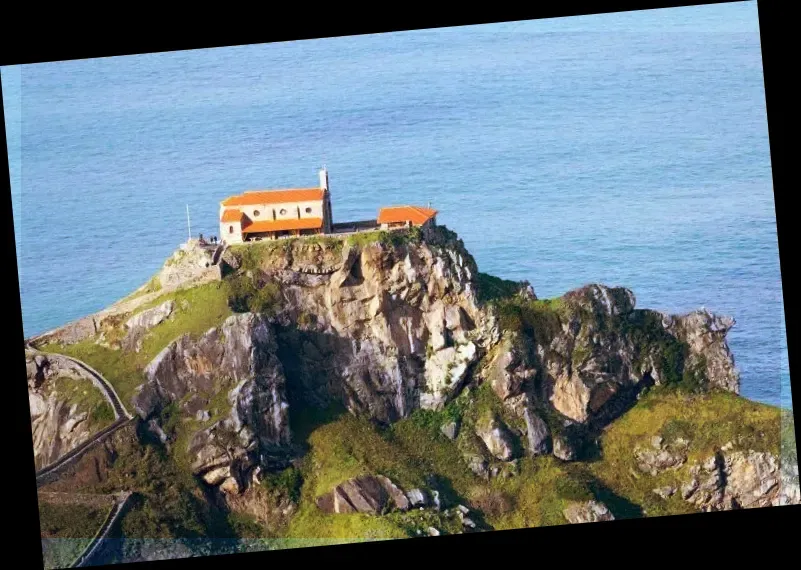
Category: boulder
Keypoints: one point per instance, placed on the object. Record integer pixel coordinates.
(364, 494)
(587, 511)
(497, 438)
(142, 322)
(450, 429)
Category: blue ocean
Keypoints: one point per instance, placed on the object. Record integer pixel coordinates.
(629, 149)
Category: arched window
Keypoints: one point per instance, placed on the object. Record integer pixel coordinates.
(308, 210)
(230, 229)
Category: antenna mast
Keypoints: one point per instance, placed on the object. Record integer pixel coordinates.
(188, 224)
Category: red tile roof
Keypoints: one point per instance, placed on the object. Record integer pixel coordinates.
(282, 225)
(232, 215)
(415, 214)
(251, 197)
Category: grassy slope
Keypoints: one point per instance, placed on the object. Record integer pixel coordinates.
(67, 530)
(413, 453)
(709, 421)
(87, 398)
(196, 311)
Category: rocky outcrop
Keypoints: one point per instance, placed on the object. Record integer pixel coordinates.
(588, 511)
(140, 323)
(58, 423)
(661, 457)
(496, 438)
(704, 334)
(396, 327)
(537, 433)
(189, 263)
(586, 356)
(738, 479)
(238, 358)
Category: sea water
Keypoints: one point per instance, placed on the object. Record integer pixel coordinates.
(629, 149)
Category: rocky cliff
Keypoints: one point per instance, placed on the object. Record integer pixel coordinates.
(401, 329)
(66, 408)
(390, 325)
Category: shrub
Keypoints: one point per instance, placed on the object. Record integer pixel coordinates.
(491, 288)
(170, 418)
(286, 483)
(245, 294)
(102, 414)
(675, 429)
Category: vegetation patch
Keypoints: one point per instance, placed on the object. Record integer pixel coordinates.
(247, 293)
(707, 421)
(83, 394)
(196, 311)
(67, 529)
(491, 288)
(535, 497)
(284, 484)
(538, 320)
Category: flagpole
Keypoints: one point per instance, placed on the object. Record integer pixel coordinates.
(188, 224)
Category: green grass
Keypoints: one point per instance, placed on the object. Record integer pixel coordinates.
(535, 497)
(118, 367)
(540, 319)
(284, 484)
(709, 421)
(70, 520)
(394, 238)
(310, 523)
(246, 294)
(414, 453)
(196, 311)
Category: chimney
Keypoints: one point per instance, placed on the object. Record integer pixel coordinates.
(323, 178)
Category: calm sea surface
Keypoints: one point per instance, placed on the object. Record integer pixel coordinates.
(629, 149)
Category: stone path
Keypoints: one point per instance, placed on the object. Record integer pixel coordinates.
(121, 414)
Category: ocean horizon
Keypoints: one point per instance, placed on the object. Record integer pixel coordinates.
(628, 149)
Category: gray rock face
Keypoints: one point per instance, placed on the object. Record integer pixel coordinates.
(417, 498)
(537, 433)
(365, 494)
(495, 436)
(58, 425)
(598, 351)
(187, 263)
(588, 511)
(563, 449)
(507, 372)
(738, 479)
(142, 322)
(240, 358)
(655, 461)
(395, 327)
(705, 335)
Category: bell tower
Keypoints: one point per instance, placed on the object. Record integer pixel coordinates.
(327, 219)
